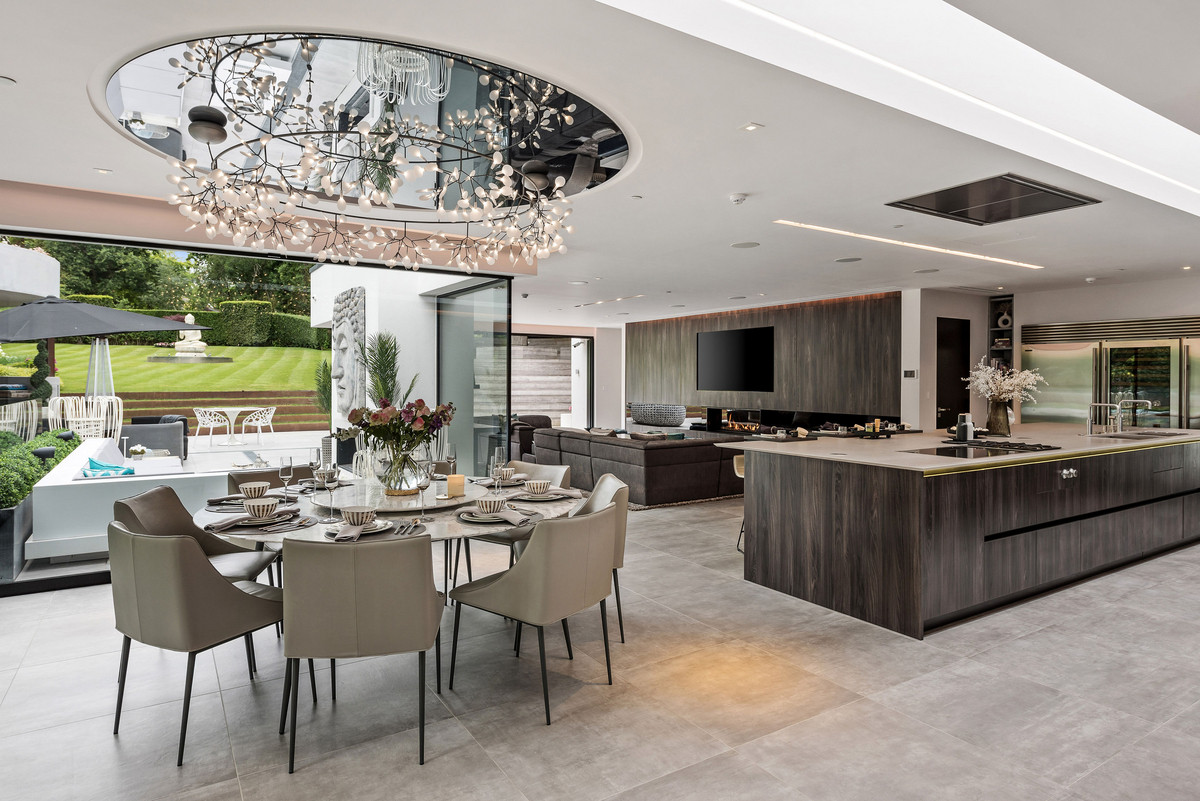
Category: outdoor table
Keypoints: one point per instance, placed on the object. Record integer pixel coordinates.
(231, 414)
(444, 526)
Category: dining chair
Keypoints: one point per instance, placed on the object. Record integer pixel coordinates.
(259, 419)
(559, 475)
(159, 512)
(359, 599)
(610, 490)
(739, 470)
(167, 594)
(210, 419)
(566, 568)
(270, 475)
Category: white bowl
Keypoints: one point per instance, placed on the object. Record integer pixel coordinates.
(537, 486)
(490, 506)
(506, 473)
(358, 515)
(254, 489)
(260, 507)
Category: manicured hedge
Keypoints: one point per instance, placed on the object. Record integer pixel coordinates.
(285, 331)
(294, 331)
(95, 300)
(244, 322)
(20, 469)
(11, 370)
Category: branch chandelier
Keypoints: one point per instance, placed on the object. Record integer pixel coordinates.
(303, 174)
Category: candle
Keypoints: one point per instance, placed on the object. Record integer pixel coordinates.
(456, 485)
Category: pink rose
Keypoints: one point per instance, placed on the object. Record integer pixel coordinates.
(418, 424)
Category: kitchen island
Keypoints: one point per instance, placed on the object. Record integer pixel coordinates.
(911, 541)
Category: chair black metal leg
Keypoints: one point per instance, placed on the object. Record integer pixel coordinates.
(333, 679)
(567, 637)
(467, 553)
(295, 703)
(121, 682)
(741, 533)
(446, 571)
(454, 644)
(437, 659)
(312, 679)
(545, 681)
(421, 715)
(249, 656)
(604, 627)
(287, 693)
(187, 703)
(457, 555)
(517, 640)
(620, 614)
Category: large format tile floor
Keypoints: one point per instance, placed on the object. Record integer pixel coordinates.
(724, 690)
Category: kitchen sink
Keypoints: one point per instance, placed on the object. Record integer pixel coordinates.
(1143, 434)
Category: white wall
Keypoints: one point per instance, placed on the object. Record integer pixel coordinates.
(1175, 297)
(26, 275)
(610, 377)
(920, 310)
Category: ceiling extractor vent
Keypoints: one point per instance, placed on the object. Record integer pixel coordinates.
(993, 200)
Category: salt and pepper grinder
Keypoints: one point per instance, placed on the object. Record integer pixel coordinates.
(965, 431)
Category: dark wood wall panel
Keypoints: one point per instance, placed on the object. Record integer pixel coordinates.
(840, 355)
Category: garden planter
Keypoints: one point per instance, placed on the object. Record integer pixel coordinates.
(16, 524)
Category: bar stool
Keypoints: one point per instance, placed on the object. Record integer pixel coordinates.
(739, 469)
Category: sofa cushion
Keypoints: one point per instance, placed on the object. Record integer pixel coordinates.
(602, 432)
(638, 435)
(535, 420)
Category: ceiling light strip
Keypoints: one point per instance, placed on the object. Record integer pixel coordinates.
(614, 300)
(957, 93)
(913, 245)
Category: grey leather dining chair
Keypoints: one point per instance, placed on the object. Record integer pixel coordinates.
(358, 599)
(167, 593)
(564, 570)
(610, 489)
(159, 511)
(559, 475)
(300, 472)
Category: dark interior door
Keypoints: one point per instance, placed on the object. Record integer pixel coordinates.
(953, 364)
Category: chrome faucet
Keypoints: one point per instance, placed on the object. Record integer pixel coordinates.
(1111, 407)
(1129, 403)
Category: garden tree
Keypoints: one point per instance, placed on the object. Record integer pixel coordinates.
(41, 371)
(135, 277)
(218, 278)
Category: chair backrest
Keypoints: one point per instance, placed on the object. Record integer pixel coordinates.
(158, 512)
(359, 599)
(207, 418)
(559, 475)
(739, 465)
(566, 568)
(259, 417)
(269, 475)
(167, 594)
(609, 490)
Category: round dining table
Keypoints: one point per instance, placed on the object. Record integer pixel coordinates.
(442, 512)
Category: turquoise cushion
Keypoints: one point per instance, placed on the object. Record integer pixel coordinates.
(97, 469)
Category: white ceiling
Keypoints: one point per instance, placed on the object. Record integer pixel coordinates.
(826, 156)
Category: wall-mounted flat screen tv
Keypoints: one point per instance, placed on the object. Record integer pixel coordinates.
(740, 360)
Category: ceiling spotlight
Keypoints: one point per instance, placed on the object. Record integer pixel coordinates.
(6, 80)
(848, 259)
(102, 170)
(737, 297)
(1187, 266)
(577, 283)
(743, 245)
(622, 314)
(208, 125)
(1090, 280)
(927, 270)
(636, 197)
(999, 287)
(752, 126)
(677, 305)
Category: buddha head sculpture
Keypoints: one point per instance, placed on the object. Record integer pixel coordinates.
(349, 335)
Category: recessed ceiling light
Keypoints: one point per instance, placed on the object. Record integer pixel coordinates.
(6, 80)
(752, 126)
(762, 294)
(999, 287)
(636, 197)
(677, 305)
(597, 278)
(1187, 266)
(622, 314)
(848, 259)
(927, 270)
(737, 297)
(102, 170)
(744, 245)
(577, 283)
(898, 226)
(929, 248)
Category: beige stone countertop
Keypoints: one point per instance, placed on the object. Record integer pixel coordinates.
(893, 452)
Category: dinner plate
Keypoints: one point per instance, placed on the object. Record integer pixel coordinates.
(539, 498)
(278, 517)
(474, 517)
(374, 528)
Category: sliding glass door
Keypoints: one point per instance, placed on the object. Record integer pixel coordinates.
(474, 370)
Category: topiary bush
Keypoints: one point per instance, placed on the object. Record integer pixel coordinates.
(295, 331)
(20, 469)
(95, 300)
(8, 439)
(244, 322)
(40, 387)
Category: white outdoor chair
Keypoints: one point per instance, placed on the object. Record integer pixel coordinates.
(260, 419)
(210, 419)
(20, 418)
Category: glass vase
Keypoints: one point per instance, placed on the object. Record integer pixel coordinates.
(397, 470)
(997, 419)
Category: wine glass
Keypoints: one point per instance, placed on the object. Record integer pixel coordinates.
(424, 462)
(497, 466)
(328, 478)
(285, 474)
(452, 458)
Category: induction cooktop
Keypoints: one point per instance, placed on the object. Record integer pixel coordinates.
(982, 449)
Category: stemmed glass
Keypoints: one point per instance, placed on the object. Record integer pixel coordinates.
(497, 466)
(314, 461)
(424, 462)
(452, 458)
(328, 478)
(285, 474)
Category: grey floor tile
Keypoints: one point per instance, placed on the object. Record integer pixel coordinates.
(1162, 766)
(854, 654)
(1048, 733)
(653, 633)
(6, 677)
(43, 696)
(589, 753)
(728, 777)
(1177, 598)
(736, 692)
(15, 636)
(1186, 722)
(84, 759)
(386, 769)
(731, 563)
(986, 631)
(663, 575)
(685, 542)
(75, 635)
(222, 791)
(864, 752)
(739, 608)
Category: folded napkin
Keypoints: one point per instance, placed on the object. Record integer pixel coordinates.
(487, 482)
(97, 469)
(237, 496)
(507, 515)
(566, 492)
(348, 533)
(233, 522)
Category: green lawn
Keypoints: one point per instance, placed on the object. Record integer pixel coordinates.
(252, 368)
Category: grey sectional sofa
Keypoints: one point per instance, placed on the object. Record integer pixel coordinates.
(657, 471)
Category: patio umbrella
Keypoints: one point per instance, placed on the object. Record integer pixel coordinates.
(53, 318)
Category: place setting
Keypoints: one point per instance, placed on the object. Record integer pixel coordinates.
(359, 521)
(263, 513)
(540, 491)
(493, 510)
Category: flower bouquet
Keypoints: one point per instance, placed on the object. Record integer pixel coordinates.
(1001, 386)
(397, 434)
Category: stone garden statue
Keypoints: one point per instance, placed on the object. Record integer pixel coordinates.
(189, 341)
